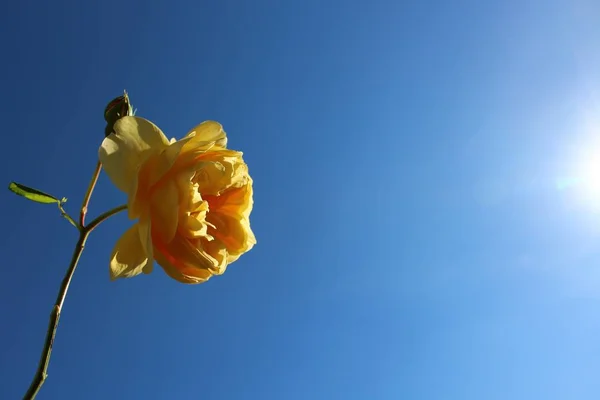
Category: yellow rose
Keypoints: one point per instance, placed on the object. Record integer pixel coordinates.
(192, 199)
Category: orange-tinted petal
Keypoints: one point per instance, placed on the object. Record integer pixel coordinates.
(177, 268)
(156, 170)
(164, 211)
(235, 202)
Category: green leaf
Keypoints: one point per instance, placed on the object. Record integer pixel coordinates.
(32, 194)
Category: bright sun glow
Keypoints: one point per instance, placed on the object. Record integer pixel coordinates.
(583, 178)
(587, 177)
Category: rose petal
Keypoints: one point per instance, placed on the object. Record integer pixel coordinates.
(164, 210)
(193, 224)
(145, 232)
(219, 171)
(179, 270)
(235, 202)
(124, 151)
(151, 173)
(229, 216)
(128, 257)
(233, 232)
(205, 136)
(218, 251)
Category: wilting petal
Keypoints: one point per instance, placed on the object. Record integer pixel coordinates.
(123, 152)
(128, 257)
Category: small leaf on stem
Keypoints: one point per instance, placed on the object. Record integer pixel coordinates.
(32, 194)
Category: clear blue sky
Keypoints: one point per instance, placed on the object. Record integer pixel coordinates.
(424, 228)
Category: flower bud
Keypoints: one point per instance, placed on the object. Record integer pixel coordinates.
(117, 108)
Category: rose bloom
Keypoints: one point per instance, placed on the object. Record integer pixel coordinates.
(192, 199)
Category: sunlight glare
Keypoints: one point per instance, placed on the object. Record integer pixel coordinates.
(587, 177)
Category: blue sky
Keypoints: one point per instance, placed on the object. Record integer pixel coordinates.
(426, 201)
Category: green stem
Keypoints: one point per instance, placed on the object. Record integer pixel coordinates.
(102, 217)
(88, 193)
(41, 375)
(84, 232)
(68, 217)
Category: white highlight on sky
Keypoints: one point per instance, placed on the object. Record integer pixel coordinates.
(585, 165)
(588, 174)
